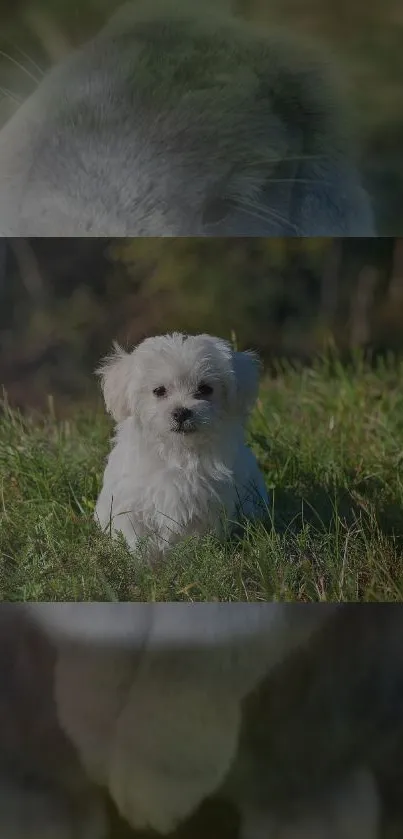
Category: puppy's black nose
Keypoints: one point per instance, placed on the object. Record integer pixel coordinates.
(180, 415)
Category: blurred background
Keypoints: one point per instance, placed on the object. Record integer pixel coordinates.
(63, 302)
(365, 37)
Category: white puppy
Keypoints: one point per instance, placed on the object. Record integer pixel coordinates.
(179, 465)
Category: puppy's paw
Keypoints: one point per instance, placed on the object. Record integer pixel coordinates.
(171, 751)
(151, 803)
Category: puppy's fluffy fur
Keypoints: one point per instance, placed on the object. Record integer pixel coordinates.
(297, 706)
(179, 465)
(179, 120)
(157, 716)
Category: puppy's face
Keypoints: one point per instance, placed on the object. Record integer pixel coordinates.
(183, 387)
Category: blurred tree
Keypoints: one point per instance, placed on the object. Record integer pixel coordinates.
(64, 301)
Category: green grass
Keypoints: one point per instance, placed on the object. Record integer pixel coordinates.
(330, 443)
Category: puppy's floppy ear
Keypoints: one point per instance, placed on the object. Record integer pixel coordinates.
(246, 366)
(115, 372)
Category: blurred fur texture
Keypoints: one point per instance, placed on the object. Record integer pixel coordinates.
(291, 712)
(157, 716)
(180, 120)
(179, 466)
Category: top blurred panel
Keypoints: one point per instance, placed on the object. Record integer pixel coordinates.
(185, 118)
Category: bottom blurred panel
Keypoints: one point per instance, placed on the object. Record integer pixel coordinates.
(213, 720)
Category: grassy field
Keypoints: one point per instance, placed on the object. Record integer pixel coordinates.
(330, 442)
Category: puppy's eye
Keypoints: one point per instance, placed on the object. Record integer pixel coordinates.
(160, 391)
(203, 391)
